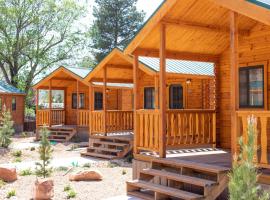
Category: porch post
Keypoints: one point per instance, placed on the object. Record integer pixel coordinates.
(77, 107)
(105, 98)
(156, 92)
(234, 59)
(135, 100)
(50, 103)
(37, 102)
(90, 107)
(162, 92)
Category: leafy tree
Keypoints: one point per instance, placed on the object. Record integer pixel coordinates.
(45, 154)
(243, 178)
(6, 129)
(35, 35)
(116, 22)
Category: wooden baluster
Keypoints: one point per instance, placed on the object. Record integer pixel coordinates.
(151, 129)
(179, 128)
(186, 127)
(156, 129)
(141, 130)
(168, 130)
(264, 159)
(245, 134)
(214, 130)
(173, 128)
(190, 129)
(209, 129)
(197, 128)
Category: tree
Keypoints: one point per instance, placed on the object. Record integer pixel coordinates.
(36, 35)
(116, 22)
(6, 129)
(45, 154)
(243, 178)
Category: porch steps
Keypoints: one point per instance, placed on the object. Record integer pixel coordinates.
(179, 179)
(61, 134)
(108, 147)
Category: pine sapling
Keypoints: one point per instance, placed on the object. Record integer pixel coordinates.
(6, 129)
(45, 154)
(244, 175)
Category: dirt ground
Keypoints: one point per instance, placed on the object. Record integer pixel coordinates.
(115, 174)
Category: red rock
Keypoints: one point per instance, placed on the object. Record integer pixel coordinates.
(43, 189)
(86, 175)
(8, 174)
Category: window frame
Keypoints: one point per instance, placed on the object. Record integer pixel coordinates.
(248, 67)
(153, 99)
(73, 106)
(95, 102)
(12, 109)
(170, 96)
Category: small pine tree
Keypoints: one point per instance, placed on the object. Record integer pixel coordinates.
(6, 129)
(243, 178)
(45, 154)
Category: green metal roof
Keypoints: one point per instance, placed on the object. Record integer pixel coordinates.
(180, 66)
(263, 3)
(6, 88)
(79, 71)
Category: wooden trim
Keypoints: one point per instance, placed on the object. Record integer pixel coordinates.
(37, 101)
(162, 93)
(234, 74)
(105, 97)
(78, 102)
(90, 107)
(50, 102)
(156, 92)
(136, 100)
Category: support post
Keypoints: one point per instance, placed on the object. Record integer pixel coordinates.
(90, 107)
(78, 100)
(162, 93)
(37, 116)
(156, 92)
(135, 99)
(105, 98)
(234, 60)
(50, 103)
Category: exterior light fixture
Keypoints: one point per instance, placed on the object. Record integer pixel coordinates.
(188, 81)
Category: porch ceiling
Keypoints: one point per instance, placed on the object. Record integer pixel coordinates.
(200, 28)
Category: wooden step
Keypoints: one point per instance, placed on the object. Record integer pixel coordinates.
(98, 155)
(171, 192)
(111, 143)
(191, 165)
(119, 138)
(181, 178)
(141, 195)
(104, 149)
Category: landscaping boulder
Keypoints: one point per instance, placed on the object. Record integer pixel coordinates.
(8, 174)
(86, 175)
(43, 189)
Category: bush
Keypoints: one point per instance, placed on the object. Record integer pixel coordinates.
(45, 154)
(16, 160)
(62, 168)
(17, 154)
(124, 172)
(11, 193)
(87, 165)
(26, 172)
(71, 194)
(32, 149)
(67, 188)
(7, 130)
(2, 183)
(243, 177)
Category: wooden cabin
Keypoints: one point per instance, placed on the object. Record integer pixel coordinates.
(12, 99)
(63, 102)
(234, 35)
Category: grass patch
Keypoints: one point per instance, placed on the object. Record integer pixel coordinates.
(112, 165)
(67, 188)
(124, 172)
(61, 168)
(17, 154)
(87, 165)
(11, 193)
(71, 194)
(17, 160)
(32, 149)
(2, 183)
(26, 172)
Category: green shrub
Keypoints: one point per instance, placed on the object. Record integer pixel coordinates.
(67, 188)
(2, 183)
(124, 172)
(32, 149)
(26, 172)
(11, 193)
(87, 165)
(62, 168)
(17, 153)
(45, 154)
(112, 165)
(243, 177)
(17, 160)
(71, 194)
(24, 134)
(6, 130)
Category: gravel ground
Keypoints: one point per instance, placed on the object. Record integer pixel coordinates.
(113, 184)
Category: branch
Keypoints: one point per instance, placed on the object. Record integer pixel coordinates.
(5, 73)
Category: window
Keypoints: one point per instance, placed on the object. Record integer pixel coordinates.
(1, 104)
(251, 91)
(58, 97)
(98, 100)
(149, 98)
(13, 104)
(43, 99)
(176, 97)
(81, 101)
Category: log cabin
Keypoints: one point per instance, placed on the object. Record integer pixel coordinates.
(12, 99)
(191, 87)
(234, 35)
(63, 102)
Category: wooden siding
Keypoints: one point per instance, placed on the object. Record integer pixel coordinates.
(253, 50)
(18, 115)
(199, 94)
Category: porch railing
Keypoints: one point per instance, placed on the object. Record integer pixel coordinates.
(97, 122)
(262, 137)
(83, 119)
(55, 117)
(119, 120)
(185, 128)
